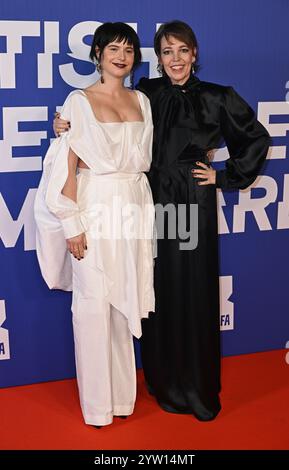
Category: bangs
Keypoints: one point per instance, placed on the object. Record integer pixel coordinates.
(180, 37)
(115, 32)
(121, 38)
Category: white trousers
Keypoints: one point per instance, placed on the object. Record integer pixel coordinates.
(104, 350)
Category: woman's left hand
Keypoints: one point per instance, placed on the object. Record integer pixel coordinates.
(205, 172)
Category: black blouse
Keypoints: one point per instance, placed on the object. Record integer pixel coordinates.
(193, 118)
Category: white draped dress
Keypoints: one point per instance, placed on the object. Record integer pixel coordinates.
(113, 284)
(118, 155)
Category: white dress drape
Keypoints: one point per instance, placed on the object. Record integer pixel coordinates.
(117, 155)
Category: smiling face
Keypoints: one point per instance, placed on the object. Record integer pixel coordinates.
(177, 59)
(117, 59)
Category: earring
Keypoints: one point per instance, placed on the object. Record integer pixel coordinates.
(98, 68)
(193, 69)
(131, 77)
(160, 69)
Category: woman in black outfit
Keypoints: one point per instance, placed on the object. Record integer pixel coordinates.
(181, 341)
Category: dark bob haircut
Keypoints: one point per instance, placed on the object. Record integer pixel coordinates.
(179, 30)
(110, 32)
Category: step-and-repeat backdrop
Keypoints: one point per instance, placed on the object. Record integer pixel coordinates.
(44, 50)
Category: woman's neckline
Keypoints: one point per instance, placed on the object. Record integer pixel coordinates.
(116, 122)
(121, 122)
(191, 82)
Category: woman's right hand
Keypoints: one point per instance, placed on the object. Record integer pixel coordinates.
(59, 125)
(77, 245)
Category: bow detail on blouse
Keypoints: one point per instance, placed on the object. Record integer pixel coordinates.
(174, 120)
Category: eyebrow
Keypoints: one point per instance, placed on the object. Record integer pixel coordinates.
(129, 46)
(170, 47)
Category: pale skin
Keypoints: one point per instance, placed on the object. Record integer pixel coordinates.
(76, 245)
(110, 102)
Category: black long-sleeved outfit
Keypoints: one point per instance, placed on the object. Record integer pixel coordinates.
(181, 341)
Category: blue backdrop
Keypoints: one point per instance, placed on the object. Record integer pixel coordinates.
(43, 56)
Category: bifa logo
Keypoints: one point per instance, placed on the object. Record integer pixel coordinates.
(4, 335)
(227, 307)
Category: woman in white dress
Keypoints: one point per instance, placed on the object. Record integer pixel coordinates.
(95, 223)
